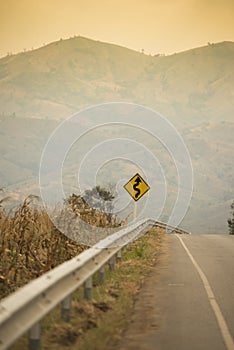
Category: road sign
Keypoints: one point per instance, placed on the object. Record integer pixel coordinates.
(136, 187)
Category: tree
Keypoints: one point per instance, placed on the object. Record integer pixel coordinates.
(95, 207)
(100, 198)
(231, 220)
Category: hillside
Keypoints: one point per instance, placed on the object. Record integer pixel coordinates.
(193, 89)
(65, 76)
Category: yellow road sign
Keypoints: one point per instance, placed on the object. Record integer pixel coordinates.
(136, 187)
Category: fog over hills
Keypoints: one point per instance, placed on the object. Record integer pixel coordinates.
(193, 89)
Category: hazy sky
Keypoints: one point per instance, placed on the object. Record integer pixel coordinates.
(157, 26)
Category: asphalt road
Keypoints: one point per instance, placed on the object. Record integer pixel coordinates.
(188, 301)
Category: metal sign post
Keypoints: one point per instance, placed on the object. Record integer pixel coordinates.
(134, 211)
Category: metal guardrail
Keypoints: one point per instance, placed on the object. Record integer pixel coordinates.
(23, 309)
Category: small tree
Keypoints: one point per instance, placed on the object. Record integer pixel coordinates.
(95, 207)
(100, 198)
(231, 220)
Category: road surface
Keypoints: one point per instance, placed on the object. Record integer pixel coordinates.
(188, 301)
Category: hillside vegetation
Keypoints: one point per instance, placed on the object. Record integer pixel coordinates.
(62, 77)
(193, 89)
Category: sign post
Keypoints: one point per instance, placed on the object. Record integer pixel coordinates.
(134, 211)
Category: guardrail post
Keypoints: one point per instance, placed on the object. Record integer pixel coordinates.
(66, 308)
(34, 341)
(112, 263)
(88, 286)
(102, 273)
(119, 255)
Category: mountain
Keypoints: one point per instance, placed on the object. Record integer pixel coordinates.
(192, 89)
(63, 77)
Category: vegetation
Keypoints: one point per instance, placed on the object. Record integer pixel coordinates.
(92, 72)
(100, 323)
(100, 200)
(31, 245)
(231, 220)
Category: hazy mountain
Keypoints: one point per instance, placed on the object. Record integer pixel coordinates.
(193, 89)
(59, 79)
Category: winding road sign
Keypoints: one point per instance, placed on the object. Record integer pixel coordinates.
(136, 187)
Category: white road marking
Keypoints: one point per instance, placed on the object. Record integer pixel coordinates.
(215, 306)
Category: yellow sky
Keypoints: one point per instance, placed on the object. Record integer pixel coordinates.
(157, 26)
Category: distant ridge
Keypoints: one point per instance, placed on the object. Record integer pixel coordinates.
(194, 89)
(67, 75)
(93, 41)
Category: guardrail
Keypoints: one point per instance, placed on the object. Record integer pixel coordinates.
(24, 309)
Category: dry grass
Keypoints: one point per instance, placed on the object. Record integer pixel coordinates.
(31, 245)
(99, 324)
